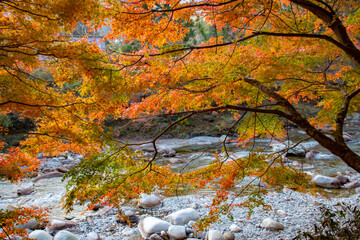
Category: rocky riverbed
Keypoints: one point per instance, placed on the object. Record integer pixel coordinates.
(291, 211)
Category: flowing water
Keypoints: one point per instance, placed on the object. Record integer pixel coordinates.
(192, 154)
(323, 163)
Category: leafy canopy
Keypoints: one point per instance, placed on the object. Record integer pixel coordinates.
(257, 59)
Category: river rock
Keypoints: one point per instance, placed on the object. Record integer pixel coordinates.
(342, 179)
(354, 184)
(215, 235)
(150, 225)
(155, 236)
(296, 151)
(347, 137)
(271, 224)
(56, 225)
(177, 160)
(48, 175)
(235, 228)
(93, 236)
(191, 223)
(40, 235)
(149, 201)
(281, 212)
(357, 189)
(326, 182)
(229, 235)
(62, 169)
(167, 152)
(183, 216)
(164, 235)
(65, 235)
(32, 224)
(24, 191)
(311, 154)
(176, 232)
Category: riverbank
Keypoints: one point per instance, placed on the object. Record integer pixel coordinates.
(293, 211)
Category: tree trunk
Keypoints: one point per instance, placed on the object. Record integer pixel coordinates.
(339, 149)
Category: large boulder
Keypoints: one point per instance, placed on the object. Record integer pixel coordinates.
(229, 236)
(56, 225)
(150, 225)
(32, 224)
(326, 182)
(65, 235)
(215, 235)
(48, 175)
(40, 235)
(183, 216)
(176, 232)
(271, 224)
(235, 228)
(149, 201)
(24, 191)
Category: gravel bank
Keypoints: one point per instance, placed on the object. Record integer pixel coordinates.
(294, 210)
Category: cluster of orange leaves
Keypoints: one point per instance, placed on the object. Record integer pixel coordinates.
(10, 220)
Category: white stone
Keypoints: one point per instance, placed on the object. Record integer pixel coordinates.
(271, 224)
(235, 228)
(183, 216)
(326, 182)
(65, 235)
(93, 236)
(281, 212)
(357, 190)
(155, 236)
(215, 235)
(150, 225)
(176, 232)
(229, 235)
(40, 235)
(191, 223)
(149, 201)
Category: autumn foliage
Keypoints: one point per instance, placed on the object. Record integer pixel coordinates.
(258, 60)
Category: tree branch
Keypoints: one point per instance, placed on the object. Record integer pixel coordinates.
(335, 24)
(37, 105)
(340, 117)
(351, 51)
